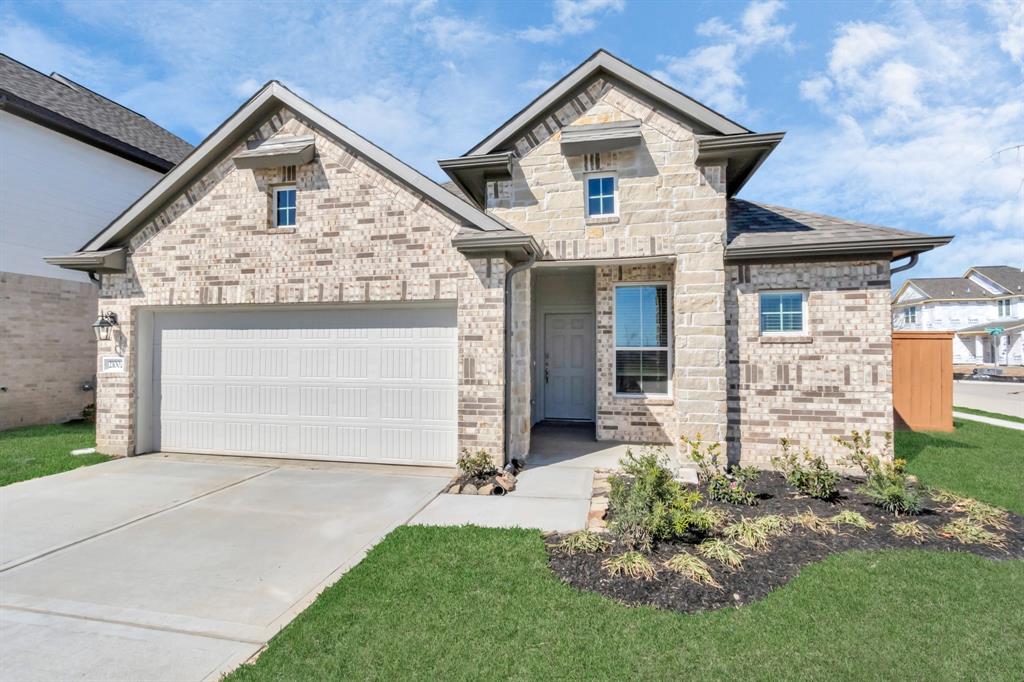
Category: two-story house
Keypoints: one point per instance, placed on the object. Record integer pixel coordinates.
(290, 289)
(70, 161)
(986, 299)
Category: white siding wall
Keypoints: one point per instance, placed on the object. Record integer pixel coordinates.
(56, 193)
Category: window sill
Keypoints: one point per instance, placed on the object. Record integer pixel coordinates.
(786, 338)
(603, 220)
(646, 399)
(278, 230)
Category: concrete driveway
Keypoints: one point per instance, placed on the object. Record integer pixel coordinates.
(177, 568)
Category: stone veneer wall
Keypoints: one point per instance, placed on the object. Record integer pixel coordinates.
(360, 237)
(835, 378)
(667, 207)
(521, 375)
(47, 349)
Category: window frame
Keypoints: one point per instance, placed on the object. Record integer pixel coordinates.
(291, 187)
(910, 314)
(1003, 308)
(804, 326)
(587, 177)
(669, 339)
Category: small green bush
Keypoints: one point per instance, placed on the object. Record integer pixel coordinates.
(721, 485)
(849, 517)
(478, 465)
(886, 481)
(584, 542)
(632, 564)
(775, 525)
(811, 477)
(646, 504)
(747, 533)
(689, 566)
(721, 551)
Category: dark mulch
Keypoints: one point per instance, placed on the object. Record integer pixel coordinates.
(763, 572)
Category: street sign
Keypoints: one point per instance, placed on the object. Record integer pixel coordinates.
(994, 331)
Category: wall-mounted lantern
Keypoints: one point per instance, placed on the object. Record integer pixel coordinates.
(103, 324)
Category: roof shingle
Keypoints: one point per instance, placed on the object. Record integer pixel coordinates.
(77, 103)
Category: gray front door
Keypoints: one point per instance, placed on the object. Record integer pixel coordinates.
(569, 366)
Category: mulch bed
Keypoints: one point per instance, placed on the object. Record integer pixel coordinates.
(765, 571)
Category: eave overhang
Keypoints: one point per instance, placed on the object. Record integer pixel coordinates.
(514, 246)
(743, 154)
(600, 137)
(277, 152)
(892, 248)
(109, 260)
(471, 173)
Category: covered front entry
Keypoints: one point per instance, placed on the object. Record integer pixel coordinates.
(367, 384)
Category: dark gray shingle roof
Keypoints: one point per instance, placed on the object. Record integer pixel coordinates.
(1011, 279)
(1005, 325)
(752, 224)
(948, 287)
(86, 108)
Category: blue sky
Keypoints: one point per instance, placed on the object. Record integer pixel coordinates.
(908, 114)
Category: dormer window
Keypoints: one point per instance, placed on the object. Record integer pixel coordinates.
(284, 206)
(602, 195)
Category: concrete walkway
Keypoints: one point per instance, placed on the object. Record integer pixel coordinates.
(989, 420)
(179, 568)
(552, 493)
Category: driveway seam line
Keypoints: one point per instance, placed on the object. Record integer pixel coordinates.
(133, 521)
(114, 621)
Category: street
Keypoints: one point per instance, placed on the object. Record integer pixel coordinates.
(991, 396)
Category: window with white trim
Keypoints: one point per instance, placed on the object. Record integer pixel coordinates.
(602, 195)
(910, 314)
(284, 206)
(1004, 307)
(782, 312)
(642, 339)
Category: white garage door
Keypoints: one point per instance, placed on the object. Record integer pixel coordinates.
(371, 385)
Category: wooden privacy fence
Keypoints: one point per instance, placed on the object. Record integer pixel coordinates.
(922, 380)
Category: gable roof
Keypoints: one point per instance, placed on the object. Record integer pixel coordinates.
(761, 231)
(61, 104)
(268, 99)
(705, 119)
(1005, 325)
(1009, 278)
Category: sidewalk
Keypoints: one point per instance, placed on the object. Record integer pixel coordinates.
(989, 420)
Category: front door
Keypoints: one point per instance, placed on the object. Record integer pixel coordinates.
(569, 366)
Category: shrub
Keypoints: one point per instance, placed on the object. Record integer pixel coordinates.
(721, 551)
(967, 532)
(689, 566)
(811, 477)
(632, 564)
(479, 465)
(813, 523)
(647, 504)
(851, 518)
(747, 533)
(721, 485)
(912, 530)
(708, 519)
(774, 525)
(584, 542)
(886, 481)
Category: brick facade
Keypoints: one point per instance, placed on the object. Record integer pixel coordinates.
(668, 207)
(360, 237)
(47, 349)
(834, 378)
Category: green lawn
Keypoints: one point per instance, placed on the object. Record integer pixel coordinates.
(994, 415)
(466, 603)
(976, 459)
(35, 451)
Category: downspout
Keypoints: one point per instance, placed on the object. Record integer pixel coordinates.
(508, 345)
(906, 266)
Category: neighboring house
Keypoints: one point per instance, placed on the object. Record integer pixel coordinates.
(292, 290)
(70, 161)
(986, 298)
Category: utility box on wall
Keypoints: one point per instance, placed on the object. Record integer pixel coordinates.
(922, 380)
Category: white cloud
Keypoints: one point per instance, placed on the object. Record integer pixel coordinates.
(908, 136)
(712, 73)
(571, 17)
(1008, 17)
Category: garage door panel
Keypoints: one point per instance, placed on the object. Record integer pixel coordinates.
(367, 385)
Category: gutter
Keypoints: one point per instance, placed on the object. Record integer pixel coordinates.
(896, 248)
(508, 345)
